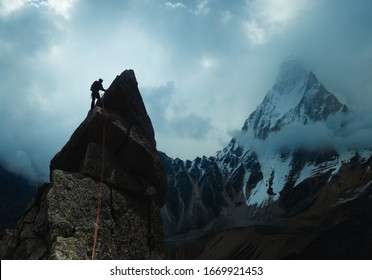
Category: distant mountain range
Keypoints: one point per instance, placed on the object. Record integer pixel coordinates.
(279, 166)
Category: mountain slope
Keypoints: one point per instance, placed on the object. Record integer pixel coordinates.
(333, 221)
(16, 193)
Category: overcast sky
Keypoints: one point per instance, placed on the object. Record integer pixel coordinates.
(202, 65)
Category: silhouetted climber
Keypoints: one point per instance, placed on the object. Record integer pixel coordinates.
(95, 88)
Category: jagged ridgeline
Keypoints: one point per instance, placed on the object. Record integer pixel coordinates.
(59, 222)
(282, 183)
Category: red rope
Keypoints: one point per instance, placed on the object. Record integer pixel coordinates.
(99, 206)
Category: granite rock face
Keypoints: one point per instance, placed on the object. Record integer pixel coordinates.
(115, 144)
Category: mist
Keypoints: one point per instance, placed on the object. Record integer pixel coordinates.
(344, 132)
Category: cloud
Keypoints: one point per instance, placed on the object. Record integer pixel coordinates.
(177, 5)
(202, 7)
(9, 6)
(352, 131)
(208, 62)
(256, 34)
(220, 56)
(28, 92)
(193, 126)
(171, 118)
(226, 16)
(60, 7)
(267, 18)
(160, 105)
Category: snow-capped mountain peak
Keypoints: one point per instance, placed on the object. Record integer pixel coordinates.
(283, 155)
(297, 95)
(291, 75)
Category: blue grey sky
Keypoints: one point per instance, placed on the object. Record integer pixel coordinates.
(202, 65)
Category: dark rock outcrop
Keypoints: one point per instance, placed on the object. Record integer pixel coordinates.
(331, 222)
(16, 192)
(130, 145)
(59, 223)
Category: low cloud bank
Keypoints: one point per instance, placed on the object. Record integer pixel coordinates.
(352, 131)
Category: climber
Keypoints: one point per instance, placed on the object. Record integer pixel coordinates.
(95, 88)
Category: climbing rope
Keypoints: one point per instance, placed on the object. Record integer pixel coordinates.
(149, 229)
(100, 186)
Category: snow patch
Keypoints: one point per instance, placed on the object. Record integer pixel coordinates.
(275, 174)
(354, 195)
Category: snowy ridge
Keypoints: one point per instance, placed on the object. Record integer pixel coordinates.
(297, 99)
(300, 97)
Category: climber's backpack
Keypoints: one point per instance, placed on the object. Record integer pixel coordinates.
(95, 86)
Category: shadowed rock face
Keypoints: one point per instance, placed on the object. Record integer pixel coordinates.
(129, 142)
(59, 222)
(16, 192)
(331, 222)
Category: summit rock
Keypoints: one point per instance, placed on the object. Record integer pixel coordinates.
(59, 222)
